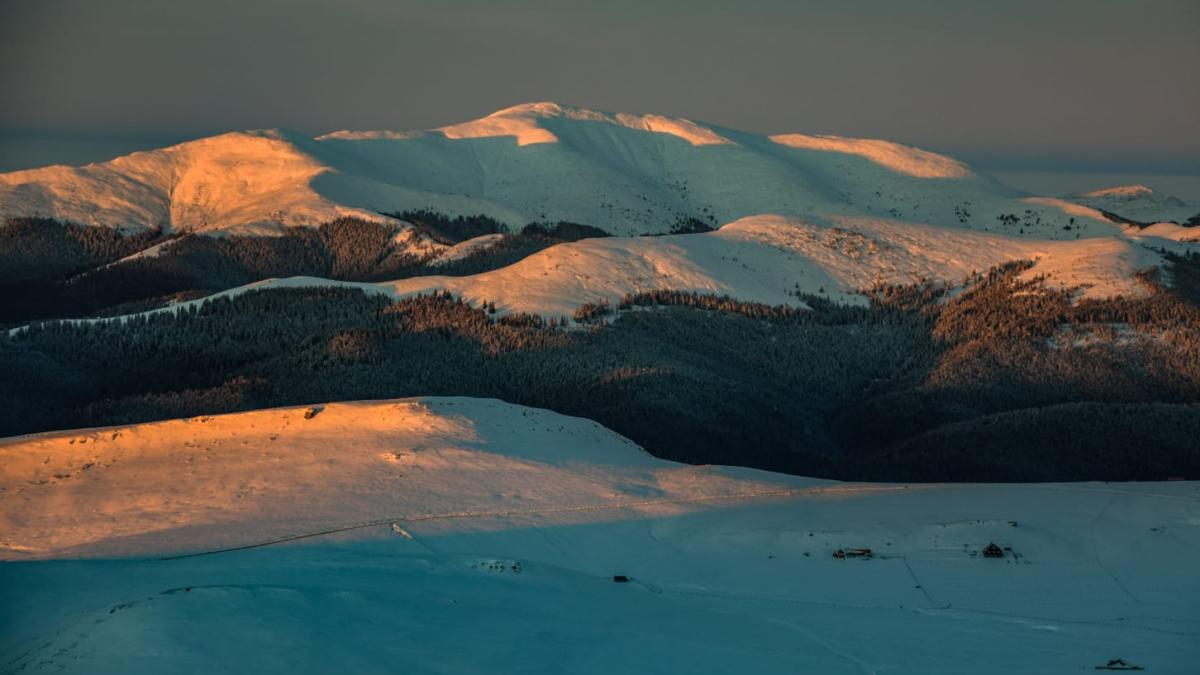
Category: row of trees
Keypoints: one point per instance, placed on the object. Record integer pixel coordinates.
(73, 277)
(38, 249)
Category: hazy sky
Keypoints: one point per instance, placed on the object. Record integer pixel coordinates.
(1043, 83)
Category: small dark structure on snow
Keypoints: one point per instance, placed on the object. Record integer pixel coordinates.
(993, 551)
(1119, 664)
(842, 554)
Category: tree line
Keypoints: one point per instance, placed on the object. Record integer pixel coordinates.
(1008, 380)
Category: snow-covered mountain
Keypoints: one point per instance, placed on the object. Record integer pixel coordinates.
(771, 260)
(812, 214)
(627, 174)
(250, 182)
(1138, 203)
(465, 535)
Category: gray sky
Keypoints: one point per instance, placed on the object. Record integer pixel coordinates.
(1048, 84)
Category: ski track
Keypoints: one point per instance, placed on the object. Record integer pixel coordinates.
(1096, 551)
(920, 586)
(862, 666)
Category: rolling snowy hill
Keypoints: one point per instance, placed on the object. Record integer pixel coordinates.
(627, 174)
(771, 259)
(462, 535)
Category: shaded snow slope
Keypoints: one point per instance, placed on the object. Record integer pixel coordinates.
(474, 535)
(627, 174)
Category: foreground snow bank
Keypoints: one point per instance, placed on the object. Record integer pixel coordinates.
(464, 535)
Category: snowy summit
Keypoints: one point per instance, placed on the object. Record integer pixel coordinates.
(627, 174)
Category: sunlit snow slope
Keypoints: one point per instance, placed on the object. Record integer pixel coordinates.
(628, 174)
(459, 535)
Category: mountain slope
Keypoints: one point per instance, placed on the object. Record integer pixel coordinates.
(463, 535)
(627, 174)
(770, 259)
(247, 181)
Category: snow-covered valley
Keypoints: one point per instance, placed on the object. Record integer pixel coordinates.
(460, 535)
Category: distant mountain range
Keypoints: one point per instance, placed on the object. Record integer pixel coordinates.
(800, 214)
(627, 174)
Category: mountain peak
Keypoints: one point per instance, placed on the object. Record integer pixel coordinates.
(625, 173)
(540, 109)
(527, 122)
(1126, 191)
(1138, 203)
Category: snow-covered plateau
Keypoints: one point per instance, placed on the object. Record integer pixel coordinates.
(465, 535)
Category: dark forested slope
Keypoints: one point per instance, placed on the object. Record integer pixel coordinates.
(50, 269)
(1008, 381)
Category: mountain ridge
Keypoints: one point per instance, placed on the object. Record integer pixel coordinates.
(628, 174)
